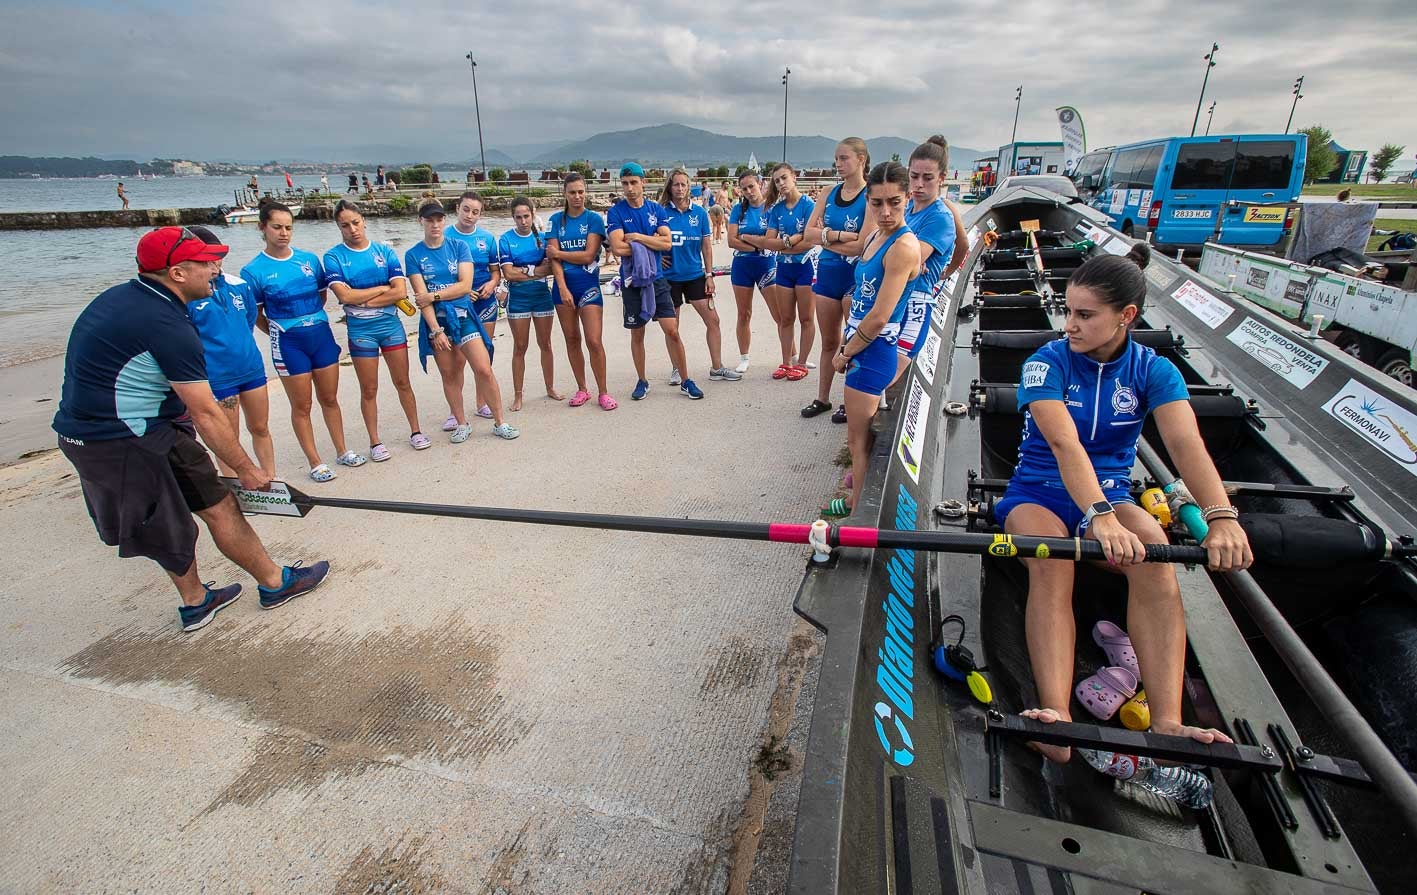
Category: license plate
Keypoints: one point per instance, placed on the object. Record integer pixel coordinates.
(1191, 214)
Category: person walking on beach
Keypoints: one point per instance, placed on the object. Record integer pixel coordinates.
(486, 276)
(122, 195)
(690, 272)
(290, 284)
(788, 213)
(367, 279)
(135, 366)
(440, 270)
(236, 372)
(754, 263)
(522, 251)
(573, 244)
(639, 235)
(353, 183)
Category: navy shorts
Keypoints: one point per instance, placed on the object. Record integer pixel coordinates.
(486, 309)
(632, 296)
(1052, 496)
(753, 270)
(836, 278)
(368, 336)
(585, 289)
(529, 299)
(302, 349)
(871, 371)
(257, 380)
(793, 273)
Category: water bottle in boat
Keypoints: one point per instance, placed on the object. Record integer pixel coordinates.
(1175, 782)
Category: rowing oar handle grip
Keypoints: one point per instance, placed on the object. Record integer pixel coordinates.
(1170, 553)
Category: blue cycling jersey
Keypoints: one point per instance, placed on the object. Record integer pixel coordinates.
(791, 220)
(689, 229)
(438, 267)
(289, 288)
(934, 225)
(847, 218)
(1107, 401)
(374, 265)
(752, 222)
(224, 321)
(483, 247)
(571, 234)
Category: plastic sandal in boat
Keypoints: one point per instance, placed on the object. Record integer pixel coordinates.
(1105, 692)
(1117, 646)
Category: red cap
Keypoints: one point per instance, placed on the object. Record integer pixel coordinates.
(167, 246)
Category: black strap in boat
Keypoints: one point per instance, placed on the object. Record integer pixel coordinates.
(1311, 542)
(1033, 339)
(1004, 399)
(1009, 301)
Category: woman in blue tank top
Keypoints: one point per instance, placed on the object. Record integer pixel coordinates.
(836, 226)
(890, 259)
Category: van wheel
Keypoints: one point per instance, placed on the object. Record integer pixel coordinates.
(1397, 364)
(1127, 229)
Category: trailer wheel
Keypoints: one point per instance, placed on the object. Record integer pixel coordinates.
(1397, 364)
(1127, 229)
(1349, 343)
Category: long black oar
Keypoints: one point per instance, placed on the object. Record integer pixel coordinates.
(283, 500)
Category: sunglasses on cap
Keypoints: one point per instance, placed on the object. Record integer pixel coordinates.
(185, 236)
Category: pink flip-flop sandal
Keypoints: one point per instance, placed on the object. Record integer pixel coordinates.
(1117, 646)
(608, 403)
(1106, 691)
(579, 398)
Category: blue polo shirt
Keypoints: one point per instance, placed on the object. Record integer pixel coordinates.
(125, 351)
(289, 288)
(933, 225)
(482, 245)
(438, 267)
(370, 267)
(572, 234)
(1108, 403)
(224, 322)
(647, 219)
(689, 229)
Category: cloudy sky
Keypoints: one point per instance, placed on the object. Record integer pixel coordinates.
(275, 79)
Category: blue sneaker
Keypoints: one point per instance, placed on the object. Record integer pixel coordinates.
(194, 617)
(295, 580)
(641, 389)
(693, 391)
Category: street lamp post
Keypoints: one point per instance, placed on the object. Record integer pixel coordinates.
(1018, 101)
(1298, 95)
(785, 72)
(1209, 64)
(1209, 117)
(477, 106)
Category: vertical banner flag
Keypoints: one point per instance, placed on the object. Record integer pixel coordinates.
(1074, 137)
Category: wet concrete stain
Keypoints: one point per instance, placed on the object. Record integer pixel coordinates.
(333, 707)
(737, 666)
(396, 869)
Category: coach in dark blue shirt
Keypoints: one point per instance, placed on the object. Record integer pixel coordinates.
(134, 369)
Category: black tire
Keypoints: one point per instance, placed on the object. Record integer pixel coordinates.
(1397, 364)
(1349, 343)
(1127, 229)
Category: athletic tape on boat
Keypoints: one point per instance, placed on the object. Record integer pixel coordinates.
(1003, 546)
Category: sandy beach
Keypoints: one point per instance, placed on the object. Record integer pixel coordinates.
(464, 707)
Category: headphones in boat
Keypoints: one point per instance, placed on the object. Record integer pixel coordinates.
(956, 662)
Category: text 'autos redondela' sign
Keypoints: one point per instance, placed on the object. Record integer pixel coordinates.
(1284, 355)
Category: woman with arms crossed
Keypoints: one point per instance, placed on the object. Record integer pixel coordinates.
(573, 244)
(522, 251)
(788, 213)
(691, 268)
(486, 276)
(754, 263)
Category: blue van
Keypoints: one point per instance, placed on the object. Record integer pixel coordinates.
(1186, 191)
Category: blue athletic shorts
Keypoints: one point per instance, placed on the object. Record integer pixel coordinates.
(632, 296)
(529, 299)
(915, 327)
(585, 289)
(835, 278)
(370, 335)
(871, 371)
(301, 349)
(459, 320)
(753, 270)
(792, 273)
(486, 309)
(257, 380)
(1054, 497)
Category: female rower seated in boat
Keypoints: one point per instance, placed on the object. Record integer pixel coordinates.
(1085, 399)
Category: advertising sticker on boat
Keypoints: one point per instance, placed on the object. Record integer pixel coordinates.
(929, 356)
(1379, 420)
(1284, 355)
(914, 429)
(1211, 310)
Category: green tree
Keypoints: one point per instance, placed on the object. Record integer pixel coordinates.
(416, 174)
(895, 156)
(740, 170)
(1383, 160)
(1322, 158)
(497, 174)
(582, 167)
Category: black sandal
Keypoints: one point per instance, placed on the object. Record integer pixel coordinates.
(840, 415)
(815, 408)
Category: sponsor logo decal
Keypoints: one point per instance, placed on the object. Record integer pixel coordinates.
(895, 654)
(1257, 278)
(1264, 215)
(1284, 355)
(913, 429)
(1124, 400)
(1379, 420)
(1204, 305)
(1035, 373)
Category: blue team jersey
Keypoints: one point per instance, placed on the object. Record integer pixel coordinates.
(483, 246)
(647, 219)
(438, 267)
(289, 288)
(870, 273)
(374, 265)
(752, 222)
(125, 351)
(847, 218)
(1108, 403)
(689, 229)
(571, 234)
(934, 225)
(224, 321)
(790, 220)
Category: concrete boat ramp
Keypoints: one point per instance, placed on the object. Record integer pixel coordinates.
(464, 706)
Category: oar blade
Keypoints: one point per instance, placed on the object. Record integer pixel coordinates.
(279, 499)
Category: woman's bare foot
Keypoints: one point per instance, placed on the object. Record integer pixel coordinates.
(555, 395)
(1199, 734)
(517, 402)
(1059, 754)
